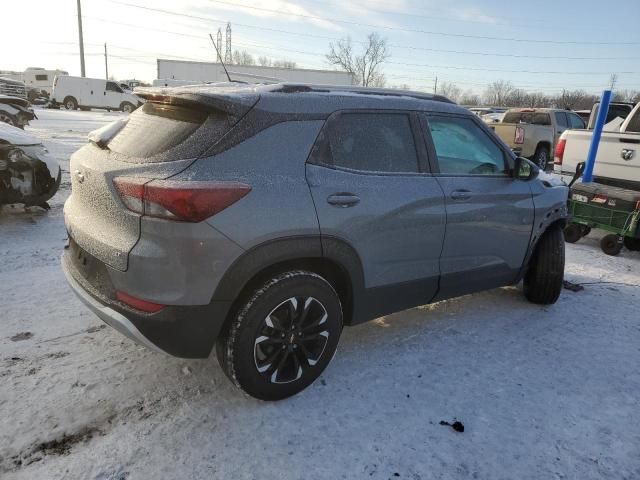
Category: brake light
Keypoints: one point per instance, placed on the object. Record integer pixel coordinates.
(139, 304)
(558, 155)
(518, 138)
(189, 201)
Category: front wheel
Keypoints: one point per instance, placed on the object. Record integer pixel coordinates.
(543, 280)
(127, 107)
(283, 336)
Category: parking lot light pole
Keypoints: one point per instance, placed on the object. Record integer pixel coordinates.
(603, 109)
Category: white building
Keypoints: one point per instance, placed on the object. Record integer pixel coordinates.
(173, 72)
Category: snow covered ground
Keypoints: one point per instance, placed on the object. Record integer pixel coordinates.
(543, 392)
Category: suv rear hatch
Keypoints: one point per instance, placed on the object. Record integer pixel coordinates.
(157, 141)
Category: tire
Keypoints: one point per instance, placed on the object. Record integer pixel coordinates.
(572, 233)
(262, 355)
(8, 118)
(541, 157)
(127, 107)
(611, 244)
(632, 244)
(543, 280)
(586, 230)
(70, 103)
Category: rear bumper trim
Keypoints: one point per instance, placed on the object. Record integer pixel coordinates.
(109, 315)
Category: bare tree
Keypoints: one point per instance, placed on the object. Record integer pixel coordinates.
(536, 99)
(243, 58)
(575, 100)
(469, 99)
(626, 96)
(264, 61)
(497, 93)
(284, 64)
(449, 90)
(365, 66)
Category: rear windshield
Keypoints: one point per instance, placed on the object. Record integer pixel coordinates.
(536, 118)
(156, 128)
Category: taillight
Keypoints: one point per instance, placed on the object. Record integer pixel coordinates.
(138, 304)
(558, 155)
(189, 201)
(518, 138)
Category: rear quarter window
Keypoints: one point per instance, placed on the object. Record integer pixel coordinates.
(156, 133)
(373, 142)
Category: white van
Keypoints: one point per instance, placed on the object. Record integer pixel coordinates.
(79, 92)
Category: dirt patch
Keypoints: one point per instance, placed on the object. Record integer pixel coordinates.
(57, 446)
(18, 337)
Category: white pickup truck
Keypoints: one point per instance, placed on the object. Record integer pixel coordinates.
(618, 158)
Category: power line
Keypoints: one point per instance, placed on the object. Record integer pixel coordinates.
(327, 19)
(534, 72)
(466, 67)
(411, 30)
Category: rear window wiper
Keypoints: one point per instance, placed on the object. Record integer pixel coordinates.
(102, 136)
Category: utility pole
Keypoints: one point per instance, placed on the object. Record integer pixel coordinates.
(613, 80)
(435, 86)
(106, 64)
(82, 72)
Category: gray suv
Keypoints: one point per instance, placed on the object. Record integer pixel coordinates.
(263, 219)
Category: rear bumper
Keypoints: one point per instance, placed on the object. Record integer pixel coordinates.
(180, 331)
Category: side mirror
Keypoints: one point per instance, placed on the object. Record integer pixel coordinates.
(524, 170)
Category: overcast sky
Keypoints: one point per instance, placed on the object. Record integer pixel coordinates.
(541, 45)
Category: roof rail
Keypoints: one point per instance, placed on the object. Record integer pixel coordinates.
(302, 87)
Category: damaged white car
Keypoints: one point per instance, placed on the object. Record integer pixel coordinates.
(28, 174)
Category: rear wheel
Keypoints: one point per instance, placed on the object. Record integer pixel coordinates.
(543, 280)
(572, 233)
(632, 244)
(283, 336)
(541, 157)
(611, 244)
(70, 103)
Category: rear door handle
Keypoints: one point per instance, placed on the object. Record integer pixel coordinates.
(461, 195)
(343, 200)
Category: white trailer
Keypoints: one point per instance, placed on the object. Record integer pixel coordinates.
(203, 72)
(37, 78)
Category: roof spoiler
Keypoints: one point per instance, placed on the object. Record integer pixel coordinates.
(234, 101)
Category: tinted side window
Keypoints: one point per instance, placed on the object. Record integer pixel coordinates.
(561, 119)
(575, 121)
(112, 87)
(463, 147)
(541, 119)
(373, 142)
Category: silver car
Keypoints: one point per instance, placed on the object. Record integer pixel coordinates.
(263, 219)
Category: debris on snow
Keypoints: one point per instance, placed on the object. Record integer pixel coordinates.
(457, 426)
(574, 287)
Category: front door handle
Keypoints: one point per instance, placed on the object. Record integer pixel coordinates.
(460, 195)
(343, 200)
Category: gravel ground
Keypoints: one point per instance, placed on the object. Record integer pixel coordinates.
(542, 392)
